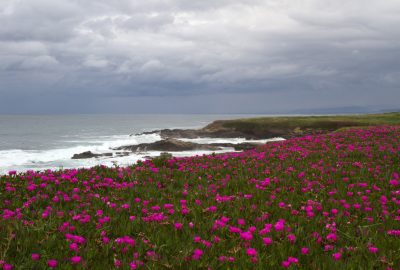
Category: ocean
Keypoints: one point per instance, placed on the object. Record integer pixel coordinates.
(39, 142)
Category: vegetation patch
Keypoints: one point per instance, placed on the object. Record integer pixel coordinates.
(325, 201)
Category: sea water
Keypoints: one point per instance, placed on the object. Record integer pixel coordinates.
(39, 142)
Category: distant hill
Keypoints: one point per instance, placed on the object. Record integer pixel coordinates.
(344, 110)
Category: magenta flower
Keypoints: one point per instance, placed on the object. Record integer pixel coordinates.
(305, 250)
(394, 182)
(332, 237)
(117, 263)
(7, 266)
(373, 249)
(197, 253)
(74, 246)
(133, 265)
(178, 226)
(267, 241)
(251, 252)
(246, 236)
(337, 256)
(52, 263)
(291, 238)
(280, 225)
(212, 208)
(76, 259)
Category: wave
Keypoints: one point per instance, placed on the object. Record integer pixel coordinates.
(230, 140)
(22, 160)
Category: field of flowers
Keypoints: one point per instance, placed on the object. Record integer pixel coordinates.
(316, 202)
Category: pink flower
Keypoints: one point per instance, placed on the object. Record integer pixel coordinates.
(394, 182)
(216, 239)
(305, 250)
(332, 237)
(74, 246)
(52, 263)
(76, 259)
(292, 238)
(241, 222)
(197, 253)
(7, 266)
(337, 256)
(267, 241)
(117, 263)
(251, 252)
(246, 236)
(35, 256)
(212, 208)
(286, 264)
(106, 240)
(280, 225)
(373, 249)
(178, 226)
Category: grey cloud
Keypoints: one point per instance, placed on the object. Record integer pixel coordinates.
(101, 50)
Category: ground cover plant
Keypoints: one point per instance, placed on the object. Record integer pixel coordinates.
(317, 202)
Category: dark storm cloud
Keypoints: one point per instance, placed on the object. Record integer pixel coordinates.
(248, 55)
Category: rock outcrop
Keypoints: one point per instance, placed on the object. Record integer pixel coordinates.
(168, 145)
(90, 154)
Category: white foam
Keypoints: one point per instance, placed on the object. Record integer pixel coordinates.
(231, 140)
(22, 160)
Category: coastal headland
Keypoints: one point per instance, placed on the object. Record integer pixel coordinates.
(250, 129)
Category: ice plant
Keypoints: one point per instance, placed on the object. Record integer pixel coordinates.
(52, 263)
(336, 256)
(197, 253)
(35, 256)
(76, 259)
(318, 201)
(305, 250)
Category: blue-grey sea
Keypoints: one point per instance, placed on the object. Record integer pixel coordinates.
(39, 142)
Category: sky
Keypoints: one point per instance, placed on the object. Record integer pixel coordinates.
(208, 56)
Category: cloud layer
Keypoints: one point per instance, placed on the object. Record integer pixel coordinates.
(218, 56)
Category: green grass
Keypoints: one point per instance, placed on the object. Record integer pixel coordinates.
(299, 124)
(345, 183)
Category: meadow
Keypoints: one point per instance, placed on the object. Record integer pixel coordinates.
(328, 201)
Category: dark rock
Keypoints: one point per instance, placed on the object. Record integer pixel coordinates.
(122, 154)
(168, 145)
(89, 154)
(239, 146)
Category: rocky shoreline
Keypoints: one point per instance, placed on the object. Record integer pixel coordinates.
(172, 142)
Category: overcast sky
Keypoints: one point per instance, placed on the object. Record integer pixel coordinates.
(205, 56)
